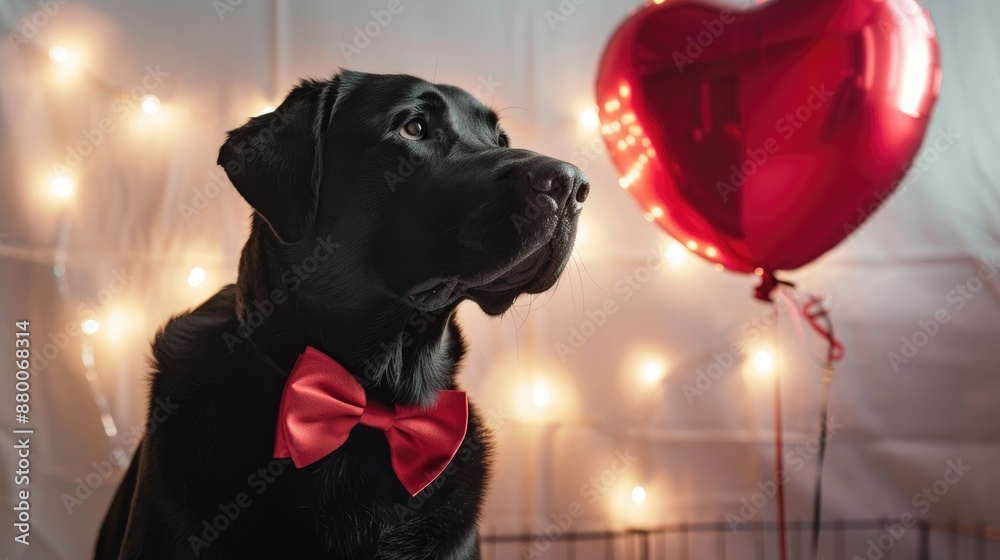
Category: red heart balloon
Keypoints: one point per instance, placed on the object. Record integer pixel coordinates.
(755, 136)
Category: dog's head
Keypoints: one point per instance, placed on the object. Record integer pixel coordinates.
(416, 185)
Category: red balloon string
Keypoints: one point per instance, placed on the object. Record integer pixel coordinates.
(818, 318)
(779, 466)
(814, 311)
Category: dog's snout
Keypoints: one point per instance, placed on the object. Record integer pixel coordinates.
(562, 181)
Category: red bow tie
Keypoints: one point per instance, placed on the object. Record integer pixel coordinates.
(322, 403)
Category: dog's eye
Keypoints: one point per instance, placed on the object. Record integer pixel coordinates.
(414, 130)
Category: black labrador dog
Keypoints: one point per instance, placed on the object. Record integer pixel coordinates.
(381, 202)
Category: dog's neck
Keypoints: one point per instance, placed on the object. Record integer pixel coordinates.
(400, 354)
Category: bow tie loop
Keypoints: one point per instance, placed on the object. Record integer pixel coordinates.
(322, 402)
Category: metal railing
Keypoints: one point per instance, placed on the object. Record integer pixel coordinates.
(870, 539)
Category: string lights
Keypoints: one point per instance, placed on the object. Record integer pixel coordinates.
(618, 123)
(541, 397)
(653, 372)
(150, 104)
(196, 277)
(675, 254)
(90, 326)
(638, 495)
(61, 186)
(589, 118)
(59, 54)
(763, 362)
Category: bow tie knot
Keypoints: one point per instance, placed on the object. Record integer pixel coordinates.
(378, 415)
(322, 402)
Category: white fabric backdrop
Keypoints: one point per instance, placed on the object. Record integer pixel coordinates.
(127, 243)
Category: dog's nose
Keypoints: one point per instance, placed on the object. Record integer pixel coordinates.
(560, 180)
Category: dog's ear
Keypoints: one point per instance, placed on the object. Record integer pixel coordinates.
(275, 161)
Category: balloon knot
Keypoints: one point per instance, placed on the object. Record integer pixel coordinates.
(768, 283)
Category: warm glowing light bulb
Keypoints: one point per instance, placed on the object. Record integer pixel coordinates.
(120, 323)
(61, 186)
(639, 495)
(692, 244)
(763, 361)
(59, 54)
(624, 91)
(656, 211)
(150, 104)
(87, 356)
(758, 271)
(652, 372)
(718, 267)
(90, 326)
(589, 118)
(675, 254)
(197, 276)
(541, 398)
(711, 252)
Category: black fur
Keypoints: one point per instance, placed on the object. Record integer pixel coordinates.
(362, 244)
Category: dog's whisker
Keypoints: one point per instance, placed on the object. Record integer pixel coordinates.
(532, 113)
(577, 264)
